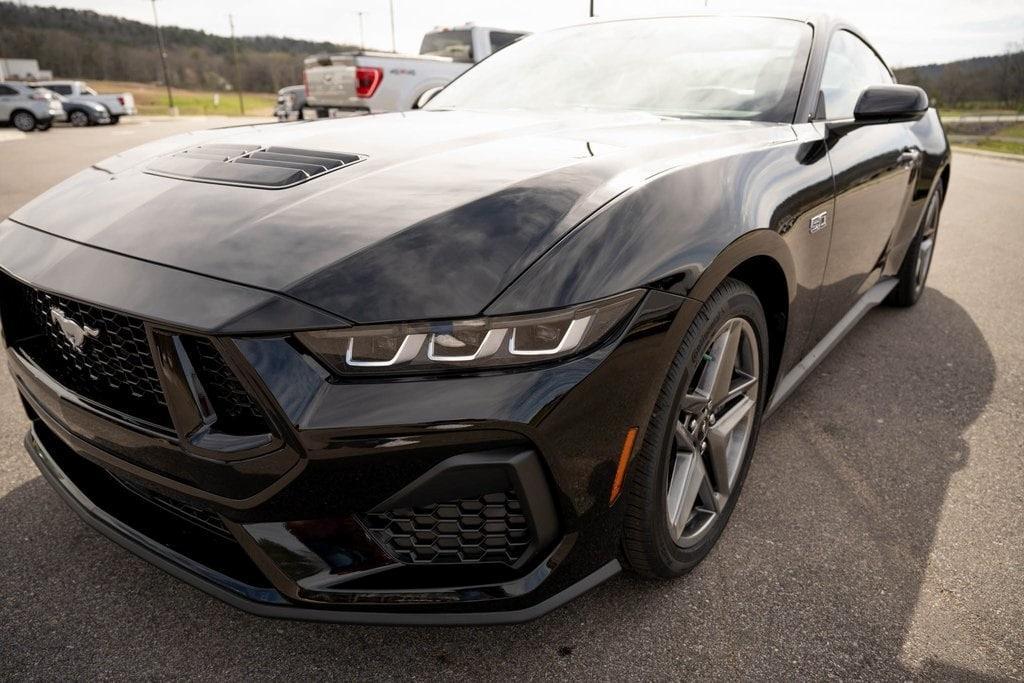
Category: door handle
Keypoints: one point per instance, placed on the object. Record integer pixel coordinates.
(908, 157)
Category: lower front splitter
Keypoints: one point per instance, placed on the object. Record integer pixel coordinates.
(266, 602)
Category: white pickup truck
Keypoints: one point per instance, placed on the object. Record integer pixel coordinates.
(387, 81)
(120, 104)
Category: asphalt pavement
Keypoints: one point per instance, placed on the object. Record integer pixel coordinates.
(880, 534)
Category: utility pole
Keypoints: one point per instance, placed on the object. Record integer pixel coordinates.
(362, 40)
(391, 5)
(238, 74)
(591, 9)
(163, 58)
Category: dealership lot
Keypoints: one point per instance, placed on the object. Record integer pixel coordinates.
(881, 534)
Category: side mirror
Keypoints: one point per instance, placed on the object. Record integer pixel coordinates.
(890, 103)
(427, 95)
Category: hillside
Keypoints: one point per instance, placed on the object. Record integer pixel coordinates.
(85, 44)
(996, 80)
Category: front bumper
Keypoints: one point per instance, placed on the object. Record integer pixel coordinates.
(289, 525)
(263, 600)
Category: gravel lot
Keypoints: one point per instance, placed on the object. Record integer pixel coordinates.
(880, 534)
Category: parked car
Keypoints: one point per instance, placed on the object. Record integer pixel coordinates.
(118, 105)
(80, 114)
(459, 365)
(291, 101)
(386, 81)
(26, 109)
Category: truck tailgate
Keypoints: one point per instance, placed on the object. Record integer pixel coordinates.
(333, 85)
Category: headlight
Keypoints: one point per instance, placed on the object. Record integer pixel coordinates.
(498, 342)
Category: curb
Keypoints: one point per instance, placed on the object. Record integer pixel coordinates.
(1019, 158)
(10, 135)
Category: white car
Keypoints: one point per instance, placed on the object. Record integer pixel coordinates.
(119, 104)
(386, 81)
(26, 108)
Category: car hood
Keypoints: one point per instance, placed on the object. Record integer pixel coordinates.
(442, 212)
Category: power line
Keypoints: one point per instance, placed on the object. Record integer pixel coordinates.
(391, 7)
(362, 39)
(238, 74)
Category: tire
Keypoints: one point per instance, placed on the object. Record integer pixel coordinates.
(44, 125)
(23, 121)
(114, 119)
(652, 545)
(78, 118)
(913, 273)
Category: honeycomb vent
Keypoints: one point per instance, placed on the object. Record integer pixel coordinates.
(491, 528)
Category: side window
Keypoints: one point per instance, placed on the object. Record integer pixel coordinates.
(850, 67)
(60, 89)
(6, 90)
(502, 39)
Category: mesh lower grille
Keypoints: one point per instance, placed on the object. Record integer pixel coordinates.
(491, 528)
(113, 368)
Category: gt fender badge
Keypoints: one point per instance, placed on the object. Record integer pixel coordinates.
(819, 222)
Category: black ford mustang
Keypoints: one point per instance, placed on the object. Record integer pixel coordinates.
(461, 364)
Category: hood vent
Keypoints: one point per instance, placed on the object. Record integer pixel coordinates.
(271, 168)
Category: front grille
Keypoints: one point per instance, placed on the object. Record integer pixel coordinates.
(113, 368)
(491, 528)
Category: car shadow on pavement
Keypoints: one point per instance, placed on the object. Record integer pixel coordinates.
(818, 574)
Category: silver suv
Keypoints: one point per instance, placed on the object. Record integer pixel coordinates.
(27, 108)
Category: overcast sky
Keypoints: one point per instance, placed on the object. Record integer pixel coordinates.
(907, 32)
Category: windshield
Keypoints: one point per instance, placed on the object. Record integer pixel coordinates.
(457, 45)
(742, 68)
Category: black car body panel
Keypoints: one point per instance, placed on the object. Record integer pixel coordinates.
(287, 489)
(325, 242)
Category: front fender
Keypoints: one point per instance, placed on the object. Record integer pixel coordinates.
(684, 230)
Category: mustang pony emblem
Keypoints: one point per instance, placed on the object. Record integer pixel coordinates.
(76, 334)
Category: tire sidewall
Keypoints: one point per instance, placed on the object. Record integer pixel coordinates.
(740, 303)
(78, 118)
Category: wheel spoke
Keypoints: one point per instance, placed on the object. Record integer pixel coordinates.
(684, 440)
(687, 476)
(692, 403)
(724, 352)
(711, 502)
(924, 258)
(725, 452)
(745, 386)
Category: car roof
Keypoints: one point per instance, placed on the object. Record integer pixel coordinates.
(823, 23)
(815, 18)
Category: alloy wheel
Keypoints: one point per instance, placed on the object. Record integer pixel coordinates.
(79, 118)
(926, 248)
(716, 418)
(24, 121)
